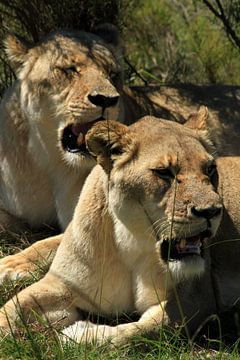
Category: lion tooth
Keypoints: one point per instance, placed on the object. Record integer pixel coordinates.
(80, 139)
(182, 244)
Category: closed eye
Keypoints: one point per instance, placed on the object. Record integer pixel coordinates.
(211, 170)
(164, 173)
(70, 70)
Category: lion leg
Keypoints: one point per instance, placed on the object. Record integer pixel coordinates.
(22, 264)
(150, 322)
(49, 297)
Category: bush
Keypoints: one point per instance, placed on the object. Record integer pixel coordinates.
(167, 41)
(181, 41)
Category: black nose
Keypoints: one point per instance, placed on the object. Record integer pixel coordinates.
(103, 101)
(207, 213)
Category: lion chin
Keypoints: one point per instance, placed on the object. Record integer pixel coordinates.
(188, 267)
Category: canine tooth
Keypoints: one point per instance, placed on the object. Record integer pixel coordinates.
(80, 138)
(182, 244)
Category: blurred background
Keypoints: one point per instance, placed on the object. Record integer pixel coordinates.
(166, 41)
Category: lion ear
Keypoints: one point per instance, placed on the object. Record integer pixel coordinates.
(202, 123)
(199, 120)
(109, 33)
(109, 141)
(16, 50)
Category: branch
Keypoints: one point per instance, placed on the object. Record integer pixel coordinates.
(220, 15)
(135, 71)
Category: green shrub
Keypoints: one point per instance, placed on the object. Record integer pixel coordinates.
(166, 41)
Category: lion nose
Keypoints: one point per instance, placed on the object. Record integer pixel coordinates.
(207, 213)
(103, 101)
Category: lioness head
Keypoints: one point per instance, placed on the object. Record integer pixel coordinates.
(162, 186)
(68, 81)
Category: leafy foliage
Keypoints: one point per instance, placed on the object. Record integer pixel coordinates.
(228, 12)
(167, 41)
(182, 41)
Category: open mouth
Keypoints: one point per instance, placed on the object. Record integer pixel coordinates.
(73, 137)
(177, 249)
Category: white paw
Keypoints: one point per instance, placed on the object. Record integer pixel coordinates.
(86, 332)
(77, 331)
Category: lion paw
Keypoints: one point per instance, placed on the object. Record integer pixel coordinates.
(15, 267)
(86, 332)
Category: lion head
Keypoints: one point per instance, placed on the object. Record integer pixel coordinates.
(68, 82)
(162, 187)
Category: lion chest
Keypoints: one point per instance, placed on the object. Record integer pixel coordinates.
(26, 192)
(101, 283)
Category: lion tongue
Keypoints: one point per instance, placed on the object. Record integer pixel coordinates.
(189, 246)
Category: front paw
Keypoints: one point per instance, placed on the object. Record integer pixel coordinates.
(89, 333)
(15, 267)
(86, 332)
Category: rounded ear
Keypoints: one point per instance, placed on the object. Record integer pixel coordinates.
(109, 140)
(16, 50)
(199, 120)
(109, 33)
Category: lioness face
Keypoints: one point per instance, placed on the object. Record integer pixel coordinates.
(162, 187)
(69, 81)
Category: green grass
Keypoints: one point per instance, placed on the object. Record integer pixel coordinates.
(45, 345)
(40, 341)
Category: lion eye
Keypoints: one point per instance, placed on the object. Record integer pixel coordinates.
(70, 70)
(164, 173)
(211, 170)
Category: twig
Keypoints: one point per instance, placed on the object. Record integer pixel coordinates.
(221, 15)
(135, 71)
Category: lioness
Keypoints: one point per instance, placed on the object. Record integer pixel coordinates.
(64, 85)
(147, 207)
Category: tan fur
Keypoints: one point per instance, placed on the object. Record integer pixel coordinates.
(110, 260)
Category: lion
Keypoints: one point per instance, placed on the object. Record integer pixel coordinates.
(64, 85)
(144, 215)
